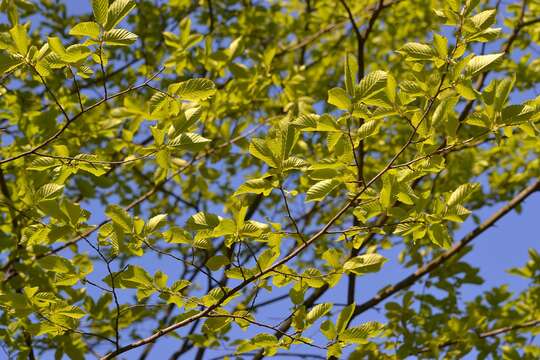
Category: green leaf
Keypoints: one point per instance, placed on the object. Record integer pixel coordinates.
(359, 333)
(202, 221)
(364, 264)
(20, 39)
(193, 89)
(177, 235)
(466, 90)
(418, 51)
(294, 163)
(344, 317)
(9, 63)
(188, 141)
(328, 329)
(367, 129)
(351, 72)
(89, 28)
(504, 88)
(119, 37)
(334, 351)
(118, 10)
(120, 217)
(255, 186)
(489, 34)
(386, 195)
(260, 150)
(49, 192)
(482, 20)
(216, 262)
(317, 312)
(100, 9)
(438, 234)
(441, 45)
(314, 122)
(263, 340)
(155, 222)
(163, 102)
(72, 54)
(321, 189)
(481, 63)
(462, 193)
(214, 324)
(371, 84)
(43, 163)
(57, 264)
(132, 278)
(339, 98)
(71, 311)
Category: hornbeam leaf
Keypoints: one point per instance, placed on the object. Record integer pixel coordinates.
(351, 69)
(133, 277)
(260, 150)
(344, 318)
(358, 334)
(328, 329)
(159, 101)
(294, 163)
(371, 84)
(481, 63)
(364, 264)
(176, 235)
(321, 189)
(216, 262)
(461, 194)
(43, 163)
(155, 222)
(119, 37)
(418, 51)
(202, 221)
(489, 34)
(20, 39)
(317, 312)
(367, 129)
(263, 340)
(88, 28)
(202, 243)
(9, 62)
(117, 12)
(49, 192)
(483, 20)
(100, 9)
(193, 89)
(339, 98)
(120, 217)
(441, 45)
(255, 186)
(70, 311)
(188, 141)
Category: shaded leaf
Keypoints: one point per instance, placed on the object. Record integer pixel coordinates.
(321, 189)
(49, 192)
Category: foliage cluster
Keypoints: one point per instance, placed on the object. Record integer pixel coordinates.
(179, 169)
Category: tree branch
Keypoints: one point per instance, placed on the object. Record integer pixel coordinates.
(444, 257)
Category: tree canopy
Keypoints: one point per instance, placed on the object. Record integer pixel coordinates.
(208, 179)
